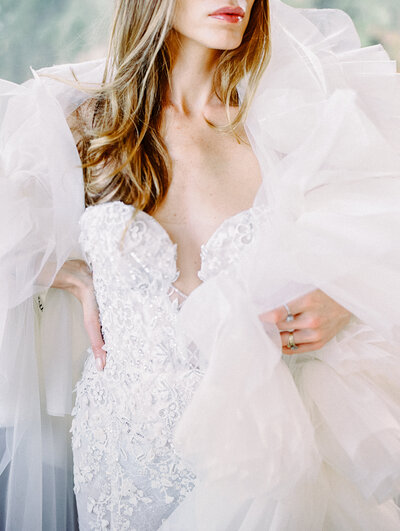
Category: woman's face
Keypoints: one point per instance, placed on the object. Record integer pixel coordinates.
(216, 24)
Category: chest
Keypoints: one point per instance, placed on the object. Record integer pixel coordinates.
(214, 176)
(209, 167)
(201, 154)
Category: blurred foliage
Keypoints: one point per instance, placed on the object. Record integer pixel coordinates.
(43, 32)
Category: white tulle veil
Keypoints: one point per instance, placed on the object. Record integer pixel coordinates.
(325, 126)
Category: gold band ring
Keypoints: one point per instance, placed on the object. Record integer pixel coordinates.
(291, 343)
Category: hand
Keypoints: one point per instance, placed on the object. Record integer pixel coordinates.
(317, 319)
(75, 277)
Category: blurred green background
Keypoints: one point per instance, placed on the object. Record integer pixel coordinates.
(377, 21)
(45, 32)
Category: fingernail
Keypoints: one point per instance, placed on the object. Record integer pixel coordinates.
(99, 364)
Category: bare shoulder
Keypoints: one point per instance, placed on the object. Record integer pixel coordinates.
(80, 120)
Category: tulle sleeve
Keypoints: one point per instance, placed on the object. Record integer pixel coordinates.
(325, 126)
(42, 340)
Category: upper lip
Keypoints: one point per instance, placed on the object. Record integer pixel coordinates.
(229, 10)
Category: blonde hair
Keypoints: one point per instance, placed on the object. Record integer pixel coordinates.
(123, 154)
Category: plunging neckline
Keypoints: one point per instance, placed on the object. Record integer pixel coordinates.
(203, 247)
(144, 217)
(218, 229)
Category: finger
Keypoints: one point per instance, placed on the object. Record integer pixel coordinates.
(93, 328)
(301, 321)
(303, 303)
(278, 315)
(301, 337)
(296, 307)
(303, 349)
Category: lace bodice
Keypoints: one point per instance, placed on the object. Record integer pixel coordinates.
(127, 474)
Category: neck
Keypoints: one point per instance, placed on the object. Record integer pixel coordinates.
(190, 90)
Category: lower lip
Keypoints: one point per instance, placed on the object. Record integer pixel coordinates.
(232, 19)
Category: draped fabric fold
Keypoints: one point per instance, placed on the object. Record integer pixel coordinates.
(277, 442)
(325, 127)
(42, 339)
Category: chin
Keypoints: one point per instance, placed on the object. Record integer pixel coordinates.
(229, 46)
(224, 42)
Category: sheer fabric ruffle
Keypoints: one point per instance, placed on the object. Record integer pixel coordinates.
(307, 442)
(323, 453)
(42, 338)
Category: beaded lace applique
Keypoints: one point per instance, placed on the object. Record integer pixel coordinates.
(127, 474)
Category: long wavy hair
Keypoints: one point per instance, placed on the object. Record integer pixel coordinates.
(123, 154)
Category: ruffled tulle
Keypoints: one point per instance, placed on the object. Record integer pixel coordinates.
(247, 431)
(42, 339)
(325, 127)
(279, 443)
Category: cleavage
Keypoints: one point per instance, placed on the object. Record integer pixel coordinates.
(204, 254)
(208, 249)
(140, 246)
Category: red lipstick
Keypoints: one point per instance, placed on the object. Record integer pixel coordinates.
(228, 14)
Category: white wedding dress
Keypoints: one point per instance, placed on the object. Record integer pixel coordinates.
(127, 473)
(198, 422)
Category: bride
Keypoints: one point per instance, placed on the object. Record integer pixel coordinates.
(235, 270)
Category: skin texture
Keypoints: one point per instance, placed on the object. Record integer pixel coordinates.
(213, 177)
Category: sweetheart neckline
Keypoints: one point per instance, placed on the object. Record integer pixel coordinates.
(162, 228)
(164, 232)
(208, 241)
